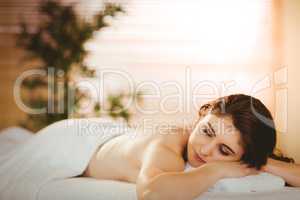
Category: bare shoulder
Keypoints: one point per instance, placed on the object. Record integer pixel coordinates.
(160, 158)
(174, 139)
(164, 153)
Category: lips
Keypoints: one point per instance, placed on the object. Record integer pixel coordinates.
(199, 159)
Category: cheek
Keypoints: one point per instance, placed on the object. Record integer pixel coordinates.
(198, 138)
(234, 159)
(240, 154)
(195, 143)
(219, 157)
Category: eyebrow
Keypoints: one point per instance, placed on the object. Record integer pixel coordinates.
(211, 128)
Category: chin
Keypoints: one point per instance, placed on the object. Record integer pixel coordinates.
(192, 164)
(194, 160)
(196, 164)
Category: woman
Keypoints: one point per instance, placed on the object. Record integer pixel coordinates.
(233, 137)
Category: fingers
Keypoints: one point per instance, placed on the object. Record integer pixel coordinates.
(245, 165)
(263, 169)
(249, 170)
(252, 171)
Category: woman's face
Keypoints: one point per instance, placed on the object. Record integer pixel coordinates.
(214, 138)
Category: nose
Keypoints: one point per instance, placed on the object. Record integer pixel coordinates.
(208, 148)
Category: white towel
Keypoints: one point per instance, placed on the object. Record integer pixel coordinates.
(253, 183)
(10, 138)
(59, 151)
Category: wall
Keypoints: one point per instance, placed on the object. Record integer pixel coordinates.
(289, 141)
(149, 39)
(12, 63)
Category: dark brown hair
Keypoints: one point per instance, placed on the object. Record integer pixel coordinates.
(254, 122)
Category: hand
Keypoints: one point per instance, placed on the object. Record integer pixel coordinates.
(270, 164)
(233, 169)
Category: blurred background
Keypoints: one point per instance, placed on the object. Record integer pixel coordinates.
(153, 61)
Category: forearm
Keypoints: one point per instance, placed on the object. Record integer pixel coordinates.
(181, 185)
(288, 171)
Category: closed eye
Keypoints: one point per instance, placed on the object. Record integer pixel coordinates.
(225, 150)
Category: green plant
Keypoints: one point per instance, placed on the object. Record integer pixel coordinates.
(116, 104)
(58, 42)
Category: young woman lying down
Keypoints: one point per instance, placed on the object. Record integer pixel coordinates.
(232, 137)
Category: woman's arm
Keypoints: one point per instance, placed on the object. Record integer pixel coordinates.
(162, 176)
(180, 185)
(290, 172)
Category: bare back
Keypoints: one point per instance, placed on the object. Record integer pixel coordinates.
(122, 158)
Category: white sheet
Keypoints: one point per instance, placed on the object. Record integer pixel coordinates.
(259, 183)
(92, 189)
(12, 136)
(59, 151)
